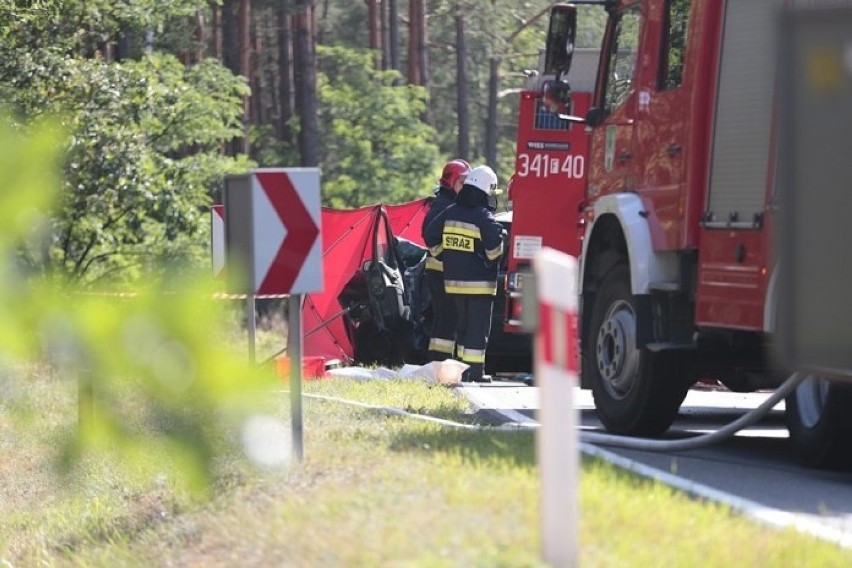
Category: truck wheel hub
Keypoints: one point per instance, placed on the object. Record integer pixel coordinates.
(811, 398)
(617, 357)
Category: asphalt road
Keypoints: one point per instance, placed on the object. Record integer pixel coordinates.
(753, 470)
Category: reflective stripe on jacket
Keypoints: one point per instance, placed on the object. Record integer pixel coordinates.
(470, 243)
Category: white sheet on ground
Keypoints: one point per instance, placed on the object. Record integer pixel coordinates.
(447, 372)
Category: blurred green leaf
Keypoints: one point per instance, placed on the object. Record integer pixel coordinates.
(153, 376)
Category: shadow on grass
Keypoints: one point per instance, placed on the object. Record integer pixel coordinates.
(508, 448)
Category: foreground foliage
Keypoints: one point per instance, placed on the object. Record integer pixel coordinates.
(151, 377)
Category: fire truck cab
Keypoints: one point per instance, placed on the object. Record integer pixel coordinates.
(677, 268)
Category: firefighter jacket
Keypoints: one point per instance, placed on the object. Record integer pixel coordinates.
(469, 242)
(444, 197)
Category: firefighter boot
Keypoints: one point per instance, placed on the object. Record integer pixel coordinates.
(469, 377)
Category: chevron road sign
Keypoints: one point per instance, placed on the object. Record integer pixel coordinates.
(272, 230)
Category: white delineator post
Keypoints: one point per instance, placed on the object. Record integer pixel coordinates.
(556, 365)
(273, 225)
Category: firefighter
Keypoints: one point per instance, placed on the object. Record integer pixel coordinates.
(442, 340)
(469, 241)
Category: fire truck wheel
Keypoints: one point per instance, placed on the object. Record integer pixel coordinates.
(635, 391)
(820, 424)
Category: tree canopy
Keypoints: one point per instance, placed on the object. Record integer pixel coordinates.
(376, 146)
(142, 153)
(160, 100)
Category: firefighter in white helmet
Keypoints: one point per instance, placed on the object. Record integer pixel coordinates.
(442, 342)
(469, 242)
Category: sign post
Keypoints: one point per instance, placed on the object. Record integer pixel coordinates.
(294, 352)
(556, 365)
(272, 230)
(217, 239)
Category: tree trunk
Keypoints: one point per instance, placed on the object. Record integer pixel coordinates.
(393, 34)
(231, 53)
(230, 35)
(320, 33)
(149, 41)
(374, 26)
(200, 36)
(491, 120)
(258, 66)
(305, 75)
(462, 87)
(385, 33)
(414, 76)
(245, 67)
(285, 67)
(123, 46)
(107, 51)
(423, 44)
(216, 30)
(423, 57)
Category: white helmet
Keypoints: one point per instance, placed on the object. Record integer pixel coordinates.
(484, 179)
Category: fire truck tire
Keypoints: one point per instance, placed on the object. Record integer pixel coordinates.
(820, 423)
(635, 392)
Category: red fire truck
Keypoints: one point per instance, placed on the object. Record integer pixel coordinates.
(548, 188)
(677, 268)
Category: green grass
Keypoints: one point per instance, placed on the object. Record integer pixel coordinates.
(372, 491)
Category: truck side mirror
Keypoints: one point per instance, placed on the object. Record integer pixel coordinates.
(595, 116)
(560, 40)
(556, 95)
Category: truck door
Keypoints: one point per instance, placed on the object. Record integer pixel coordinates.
(663, 111)
(611, 161)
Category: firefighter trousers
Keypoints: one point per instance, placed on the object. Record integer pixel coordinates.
(474, 326)
(442, 340)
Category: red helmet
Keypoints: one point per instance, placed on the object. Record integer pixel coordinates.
(453, 170)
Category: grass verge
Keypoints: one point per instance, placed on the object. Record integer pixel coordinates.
(373, 490)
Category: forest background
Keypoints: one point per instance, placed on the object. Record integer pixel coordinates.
(158, 101)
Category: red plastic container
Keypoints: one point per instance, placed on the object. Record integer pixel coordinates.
(312, 368)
